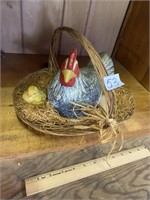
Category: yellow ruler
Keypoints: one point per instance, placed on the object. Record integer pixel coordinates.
(72, 173)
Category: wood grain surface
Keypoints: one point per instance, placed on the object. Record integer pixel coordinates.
(17, 140)
(104, 22)
(27, 25)
(40, 19)
(11, 36)
(132, 49)
(76, 18)
(128, 182)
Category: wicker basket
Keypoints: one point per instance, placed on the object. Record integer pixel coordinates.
(44, 118)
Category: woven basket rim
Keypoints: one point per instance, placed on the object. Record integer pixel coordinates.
(26, 118)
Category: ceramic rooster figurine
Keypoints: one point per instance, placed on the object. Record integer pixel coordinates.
(72, 84)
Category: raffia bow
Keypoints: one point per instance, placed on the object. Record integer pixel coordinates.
(107, 128)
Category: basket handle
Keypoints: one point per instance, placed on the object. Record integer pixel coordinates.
(95, 59)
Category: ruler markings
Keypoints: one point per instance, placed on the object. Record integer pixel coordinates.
(79, 171)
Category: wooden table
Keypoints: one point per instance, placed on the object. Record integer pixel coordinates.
(25, 153)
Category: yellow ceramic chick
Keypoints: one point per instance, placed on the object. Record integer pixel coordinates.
(33, 95)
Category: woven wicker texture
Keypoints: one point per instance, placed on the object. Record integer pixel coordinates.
(44, 118)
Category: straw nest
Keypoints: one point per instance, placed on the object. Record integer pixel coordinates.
(44, 118)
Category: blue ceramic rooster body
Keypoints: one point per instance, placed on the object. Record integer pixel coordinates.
(74, 85)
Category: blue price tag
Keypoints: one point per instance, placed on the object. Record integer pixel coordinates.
(112, 82)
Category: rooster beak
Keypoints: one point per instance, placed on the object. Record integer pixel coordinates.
(68, 75)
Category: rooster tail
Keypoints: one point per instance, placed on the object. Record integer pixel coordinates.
(107, 62)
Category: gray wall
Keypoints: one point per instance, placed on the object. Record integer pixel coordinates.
(27, 25)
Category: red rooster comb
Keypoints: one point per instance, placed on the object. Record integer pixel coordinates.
(70, 70)
(72, 59)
